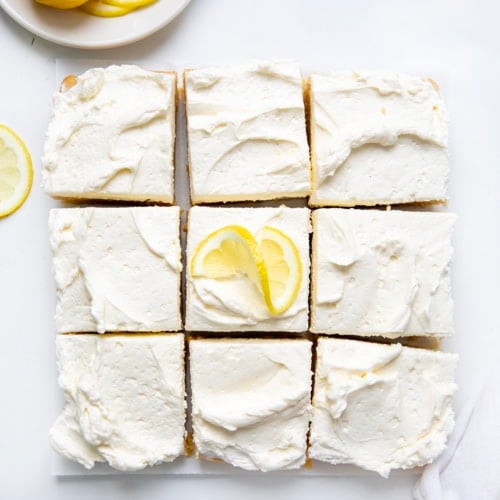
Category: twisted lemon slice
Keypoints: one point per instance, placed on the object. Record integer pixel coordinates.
(284, 269)
(271, 261)
(16, 171)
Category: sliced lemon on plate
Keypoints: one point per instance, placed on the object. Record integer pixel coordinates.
(100, 8)
(103, 9)
(16, 171)
(113, 8)
(62, 4)
(133, 4)
(271, 262)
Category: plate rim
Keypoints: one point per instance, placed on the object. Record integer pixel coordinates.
(100, 44)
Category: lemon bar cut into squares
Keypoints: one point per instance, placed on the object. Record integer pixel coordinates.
(251, 401)
(377, 138)
(247, 269)
(111, 136)
(381, 273)
(125, 399)
(247, 132)
(379, 406)
(116, 269)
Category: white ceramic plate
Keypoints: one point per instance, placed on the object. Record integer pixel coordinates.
(74, 28)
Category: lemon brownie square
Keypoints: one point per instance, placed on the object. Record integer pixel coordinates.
(384, 273)
(116, 269)
(379, 406)
(125, 399)
(247, 132)
(247, 269)
(377, 138)
(111, 136)
(251, 401)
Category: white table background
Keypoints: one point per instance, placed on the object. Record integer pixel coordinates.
(455, 42)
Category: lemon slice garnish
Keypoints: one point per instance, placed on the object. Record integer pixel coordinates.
(271, 262)
(103, 9)
(62, 4)
(16, 171)
(227, 252)
(283, 265)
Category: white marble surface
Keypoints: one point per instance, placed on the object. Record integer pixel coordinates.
(457, 43)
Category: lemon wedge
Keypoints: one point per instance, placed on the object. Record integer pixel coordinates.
(103, 9)
(271, 262)
(62, 4)
(16, 171)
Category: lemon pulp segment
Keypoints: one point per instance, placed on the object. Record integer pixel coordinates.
(16, 171)
(271, 262)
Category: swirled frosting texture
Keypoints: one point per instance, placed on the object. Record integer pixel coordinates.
(111, 136)
(125, 399)
(376, 138)
(247, 132)
(251, 401)
(236, 304)
(382, 273)
(116, 269)
(381, 407)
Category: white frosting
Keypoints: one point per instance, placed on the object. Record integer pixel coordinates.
(377, 137)
(125, 399)
(116, 269)
(236, 304)
(251, 401)
(381, 407)
(247, 132)
(382, 272)
(111, 136)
